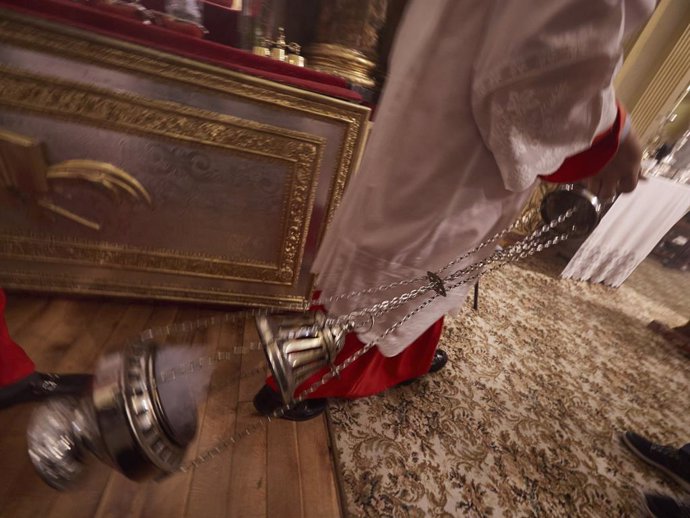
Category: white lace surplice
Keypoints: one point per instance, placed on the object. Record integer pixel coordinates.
(629, 232)
(481, 99)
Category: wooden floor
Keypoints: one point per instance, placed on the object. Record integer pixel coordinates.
(283, 470)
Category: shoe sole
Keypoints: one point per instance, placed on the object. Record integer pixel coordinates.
(682, 482)
(646, 506)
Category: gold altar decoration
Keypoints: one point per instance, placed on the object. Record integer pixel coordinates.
(294, 57)
(279, 47)
(279, 50)
(24, 173)
(112, 178)
(347, 39)
(22, 164)
(236, 177)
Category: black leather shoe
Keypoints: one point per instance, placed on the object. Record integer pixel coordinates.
(439, 361)
(660, 506)
(40, 385)
(268, 401)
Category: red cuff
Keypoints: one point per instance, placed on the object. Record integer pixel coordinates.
(590, 161)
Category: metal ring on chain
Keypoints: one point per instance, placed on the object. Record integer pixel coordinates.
(125, 423)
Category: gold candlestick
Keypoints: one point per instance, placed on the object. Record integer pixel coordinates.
(279, 47)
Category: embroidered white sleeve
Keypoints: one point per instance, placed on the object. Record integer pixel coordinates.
(543, 93)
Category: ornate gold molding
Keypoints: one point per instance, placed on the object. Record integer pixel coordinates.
(24, 172)
(106, 175)
(71, 43)
(338, 60)
(31, 281)
(47, 248)
(167, 120)
(77, 45)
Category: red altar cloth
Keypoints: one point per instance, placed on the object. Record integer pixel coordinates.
(128, 29)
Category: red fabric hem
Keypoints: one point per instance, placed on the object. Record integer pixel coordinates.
(15, 364)
(374, 372)
(590, 161)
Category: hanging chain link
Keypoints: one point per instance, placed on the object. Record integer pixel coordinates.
(511, 253)
(524, 248)
(406, 282)
(206, 361)
(352, 318)
(201, 323)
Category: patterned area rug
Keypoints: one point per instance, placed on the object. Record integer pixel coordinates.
(523, 420)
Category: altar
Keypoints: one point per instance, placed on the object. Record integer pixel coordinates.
(139, 161)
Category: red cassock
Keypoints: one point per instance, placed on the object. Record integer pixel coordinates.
(14, 362)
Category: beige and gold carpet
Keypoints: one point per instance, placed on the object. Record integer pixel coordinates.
(523, 420)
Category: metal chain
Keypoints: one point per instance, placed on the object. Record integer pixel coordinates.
(373, 311)
(525, 249)
(201, 323)
(405, 282)
(385, 306)
(201, 363)
(208, 360)
(230, 440)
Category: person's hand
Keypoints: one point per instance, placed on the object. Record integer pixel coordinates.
(622, 172)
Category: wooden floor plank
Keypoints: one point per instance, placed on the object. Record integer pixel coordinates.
(253, 364)
(211, 482)
(94, 338)
(279, 470)
(47, 341)
(317, 470)
(20, 310)
(247, 494)
(169, 497)
(284, 485)
(52, 333)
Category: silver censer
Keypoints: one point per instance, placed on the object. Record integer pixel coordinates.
(122, 421)
(133, 423)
